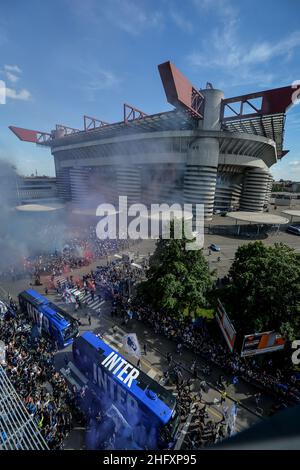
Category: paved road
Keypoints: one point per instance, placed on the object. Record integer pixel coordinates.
(154, 363)
(228, 242)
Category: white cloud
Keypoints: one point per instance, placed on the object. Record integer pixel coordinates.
(225, 51)
(94, 79)
(130, 16)
(105, 80)
(23, 95)
(266, 51)
(12, 73)
(289, 170)
(12, 68)
(223, 8)
(11, 77)
(229, 54)
(181, 22)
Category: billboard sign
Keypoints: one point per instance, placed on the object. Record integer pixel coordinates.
(260, 343)
(226, 326)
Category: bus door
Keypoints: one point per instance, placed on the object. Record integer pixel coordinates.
(56, 335)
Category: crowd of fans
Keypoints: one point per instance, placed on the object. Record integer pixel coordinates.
(30, 368)
(119, 280)
(30, 360)
(184, 331)
(202, 430)
(77, 251)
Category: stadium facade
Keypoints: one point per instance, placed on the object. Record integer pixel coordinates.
(209, 149)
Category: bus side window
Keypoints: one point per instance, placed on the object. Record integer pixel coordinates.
(55, 332)
(33, 314)
(46, 324)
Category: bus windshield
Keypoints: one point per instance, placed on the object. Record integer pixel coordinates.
(168, 432)
(70, 331)
(174, 423)
(146, 383)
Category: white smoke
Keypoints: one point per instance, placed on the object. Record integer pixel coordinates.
(24, 234)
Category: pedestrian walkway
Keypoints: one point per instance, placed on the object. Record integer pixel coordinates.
(114, 337)
(90, 301)
(157, 349)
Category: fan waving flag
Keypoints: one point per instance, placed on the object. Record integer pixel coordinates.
(131, 345)
(231, 422)
(3, 308)
(2, 353)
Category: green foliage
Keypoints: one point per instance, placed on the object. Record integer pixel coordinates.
(277, 188)
(266, 289)
(207, 313)
(178, 280)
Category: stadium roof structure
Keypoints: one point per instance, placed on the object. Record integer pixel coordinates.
(170, 120)
(261, 218)
(271, 127)
(292, 213)
(260, 113)
(38, 207)
(18, 430)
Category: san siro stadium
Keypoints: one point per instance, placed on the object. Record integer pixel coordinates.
(209, 149)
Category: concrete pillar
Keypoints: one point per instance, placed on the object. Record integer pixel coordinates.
(227, 196)
(129, 183)
(203, 157)
(255, 189)
(269, 189)
(79, 184)
(63, 184)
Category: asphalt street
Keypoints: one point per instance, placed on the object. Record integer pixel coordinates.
(154, 363)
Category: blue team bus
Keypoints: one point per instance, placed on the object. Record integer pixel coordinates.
(145, 408)
(55, 322)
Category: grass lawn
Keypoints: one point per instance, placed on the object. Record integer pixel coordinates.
(207, 313)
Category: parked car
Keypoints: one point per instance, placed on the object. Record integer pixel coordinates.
(295, 229)
(214, 247)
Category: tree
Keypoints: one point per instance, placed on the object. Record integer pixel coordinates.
(177, 280)
(265, 289)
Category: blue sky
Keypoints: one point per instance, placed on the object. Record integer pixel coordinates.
(61, 59)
